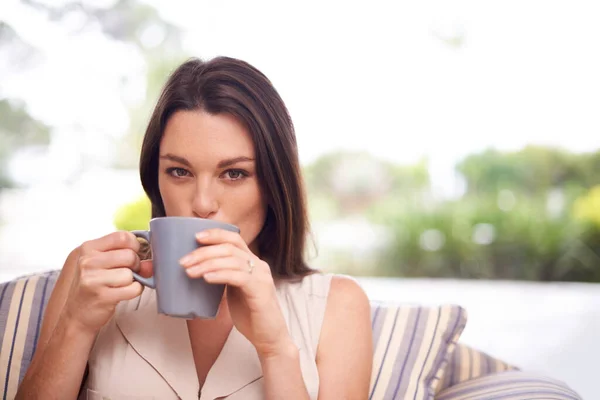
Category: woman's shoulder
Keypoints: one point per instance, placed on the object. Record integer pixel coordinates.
(331, 291)
(318, 297)
(316, 283)
(322, 285)
(346, 293)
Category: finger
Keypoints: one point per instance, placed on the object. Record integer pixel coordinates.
(214, 264)
(124, 293)
(112, 241)
(211, 251)
(116, 277)
(110, 259)
(231, 277)
(146, 268)
(216, 236)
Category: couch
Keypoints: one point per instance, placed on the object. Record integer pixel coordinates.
(417, 351)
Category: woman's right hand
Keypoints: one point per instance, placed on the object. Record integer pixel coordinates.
(103, 277)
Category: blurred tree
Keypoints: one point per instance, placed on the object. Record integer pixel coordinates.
(533, 170)
(16, 53)
(128, 21)
(17, 129)
(355, 180)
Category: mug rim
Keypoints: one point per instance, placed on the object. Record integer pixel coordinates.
(196, 218)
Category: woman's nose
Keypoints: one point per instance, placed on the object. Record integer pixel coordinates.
(205, 202)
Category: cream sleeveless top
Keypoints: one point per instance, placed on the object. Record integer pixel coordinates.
(140, 354)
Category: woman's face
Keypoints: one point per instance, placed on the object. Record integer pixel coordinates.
(207, 169)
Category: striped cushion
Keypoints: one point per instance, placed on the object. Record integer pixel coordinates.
(412, 347)
(509, 385)
(467, 363)
(22, 302)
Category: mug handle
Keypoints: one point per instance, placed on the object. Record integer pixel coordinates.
(149, 282)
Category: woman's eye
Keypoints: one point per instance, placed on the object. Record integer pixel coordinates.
(235, 174)
(177, 172)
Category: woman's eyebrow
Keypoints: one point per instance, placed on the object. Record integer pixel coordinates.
(231, 161)
(175, 158)
(222, 164)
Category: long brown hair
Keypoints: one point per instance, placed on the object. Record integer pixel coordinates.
(234, 87)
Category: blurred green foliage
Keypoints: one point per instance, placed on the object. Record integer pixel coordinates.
(587, 207)
(134, 216)
(474, 238)
(530, 214)
(533, 170)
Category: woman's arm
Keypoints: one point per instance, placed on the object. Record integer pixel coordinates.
(282, 374)
(59, 360)
(56, 372)
(345, 352)
(57, 299)
(94, 279)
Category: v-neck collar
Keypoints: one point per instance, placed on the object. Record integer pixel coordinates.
(164, 343)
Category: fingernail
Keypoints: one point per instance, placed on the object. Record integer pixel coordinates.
(193, 271)
(185, 260)
(201, 235)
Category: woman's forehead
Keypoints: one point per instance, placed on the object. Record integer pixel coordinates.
(198, 132)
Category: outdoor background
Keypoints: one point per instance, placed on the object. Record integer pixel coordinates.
(439, 139)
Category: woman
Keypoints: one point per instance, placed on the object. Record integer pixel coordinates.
(220, 145)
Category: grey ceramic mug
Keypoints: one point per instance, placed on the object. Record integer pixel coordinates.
(178, 295)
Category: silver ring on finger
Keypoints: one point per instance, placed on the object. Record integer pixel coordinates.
(250, 266)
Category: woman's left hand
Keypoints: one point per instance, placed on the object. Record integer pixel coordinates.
(225, 258)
